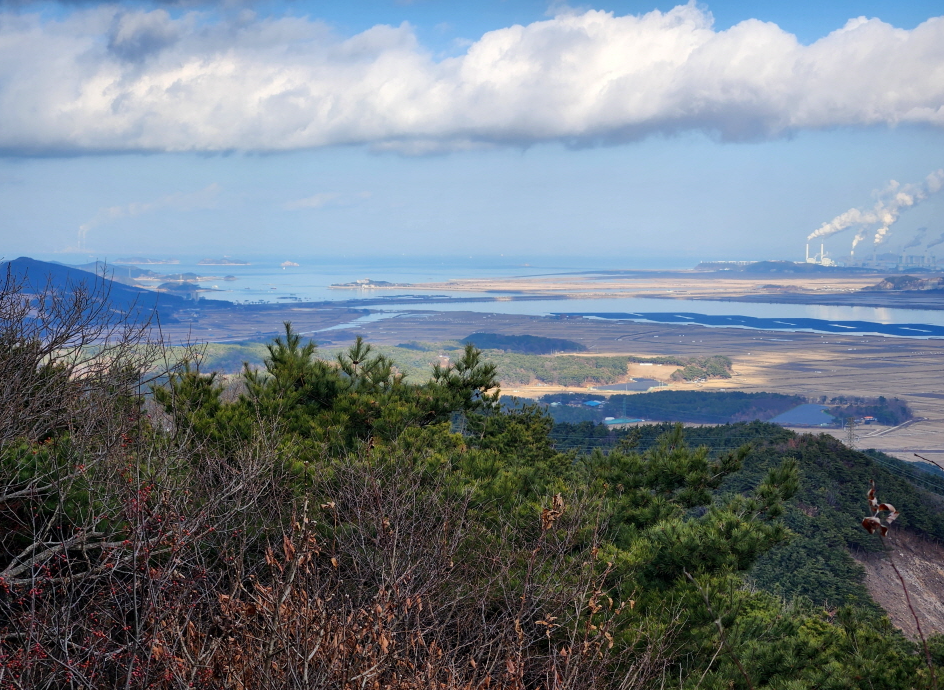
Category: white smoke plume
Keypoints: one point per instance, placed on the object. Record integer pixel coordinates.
(906, 197)
(182, 201)
(892, 201)
(917, 239)
(861, 235)
(936, 241)
(845, 220)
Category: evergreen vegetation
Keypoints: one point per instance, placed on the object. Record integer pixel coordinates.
(514, 357)
(523, 344)
(889, 412)
(703, 407)
(716, 366)
(332, 524)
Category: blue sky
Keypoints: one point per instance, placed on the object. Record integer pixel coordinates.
(440, 21)
(320, 129)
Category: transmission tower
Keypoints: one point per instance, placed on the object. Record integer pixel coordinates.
(850, 432)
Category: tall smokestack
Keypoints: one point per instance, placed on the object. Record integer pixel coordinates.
(807, 252)
(822, 252)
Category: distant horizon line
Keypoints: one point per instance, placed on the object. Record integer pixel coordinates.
(507, 261)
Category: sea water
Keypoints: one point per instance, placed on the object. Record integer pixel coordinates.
(266, 280)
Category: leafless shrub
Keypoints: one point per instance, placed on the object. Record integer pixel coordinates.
(71, 374)
(192, 583)
(134, 558)
(394, 595)
(65, 356)
(150, 540)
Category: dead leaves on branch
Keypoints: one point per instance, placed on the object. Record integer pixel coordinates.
(304, 628)
(550, 515)
(873, 523)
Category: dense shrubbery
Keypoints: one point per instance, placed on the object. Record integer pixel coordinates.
(330, 525)
(825, 512)
(562, 370)
(714, 367)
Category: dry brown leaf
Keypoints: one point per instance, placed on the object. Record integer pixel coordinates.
(288, 547)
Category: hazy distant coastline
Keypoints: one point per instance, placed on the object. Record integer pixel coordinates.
(222, 262)
(144, 261)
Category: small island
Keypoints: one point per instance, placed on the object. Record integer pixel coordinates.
(366, 284)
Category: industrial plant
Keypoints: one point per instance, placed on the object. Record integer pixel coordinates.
(886, 261)
(821, 258)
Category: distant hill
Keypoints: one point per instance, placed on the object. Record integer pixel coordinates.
(38, 274)
(121, 274)
(906, 283)
(524, 344)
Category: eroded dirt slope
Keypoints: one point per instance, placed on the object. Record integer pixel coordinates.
(921, 564)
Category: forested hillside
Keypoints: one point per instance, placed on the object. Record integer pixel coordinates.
(328, 523)
(824, 514)
(705, 407)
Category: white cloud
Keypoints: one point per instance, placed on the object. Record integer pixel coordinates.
(323, 199)
(314, 201)
(107, 79)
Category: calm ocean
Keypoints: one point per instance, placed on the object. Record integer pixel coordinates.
(265, 280)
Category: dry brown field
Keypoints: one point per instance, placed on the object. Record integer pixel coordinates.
(806, 364)
(830, 289)
(686, 284)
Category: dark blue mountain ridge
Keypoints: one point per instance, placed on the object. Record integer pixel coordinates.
(37, 275)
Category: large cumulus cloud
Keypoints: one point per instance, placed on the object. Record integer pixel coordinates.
(107, 79)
